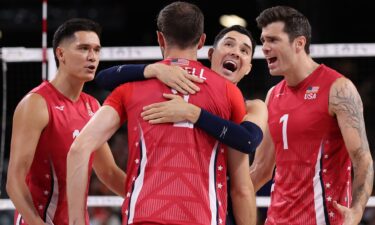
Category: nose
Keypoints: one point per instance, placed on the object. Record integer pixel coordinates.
(265, 47)
(235, 53)
(91, 56)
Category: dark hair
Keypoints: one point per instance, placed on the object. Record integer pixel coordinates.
(181, 23)
(239, 29)
(69, 27)
(296, 24)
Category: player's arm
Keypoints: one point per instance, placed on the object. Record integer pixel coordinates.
(241, 188)
(345, 103)
(108, 172)
(257, 112)
(173, 76)
(96, 132)
(264, 161)
(29, 120)
(244, 137)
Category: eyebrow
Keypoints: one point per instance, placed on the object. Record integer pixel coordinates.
(88, 45)
(242, 43)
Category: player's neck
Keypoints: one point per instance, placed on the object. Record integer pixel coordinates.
(68, 86)
(300, 71)
(190, 54)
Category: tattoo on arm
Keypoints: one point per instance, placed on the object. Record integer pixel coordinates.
(346, 103)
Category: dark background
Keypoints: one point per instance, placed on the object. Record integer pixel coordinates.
(133, 23)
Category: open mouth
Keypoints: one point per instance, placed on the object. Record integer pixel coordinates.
(230, 65)
(272, 60)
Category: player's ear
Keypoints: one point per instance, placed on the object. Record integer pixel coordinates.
(59, 52)
(210, 52)
(300, 43)
(202, 40)
(161, 40)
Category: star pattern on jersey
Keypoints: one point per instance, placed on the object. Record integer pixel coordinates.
(219, 185)
(328, 185)
(220, 168)
(331, 214)
(329, 198)
(136, 161)
(324, 170)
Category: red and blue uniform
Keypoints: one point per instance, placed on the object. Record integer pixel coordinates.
(176, 172)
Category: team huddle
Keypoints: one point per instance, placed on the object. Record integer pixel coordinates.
(190, 131)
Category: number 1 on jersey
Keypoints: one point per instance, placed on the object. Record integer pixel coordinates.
(284, 120)
(183, 124)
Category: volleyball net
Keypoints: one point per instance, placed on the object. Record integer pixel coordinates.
(22, 70)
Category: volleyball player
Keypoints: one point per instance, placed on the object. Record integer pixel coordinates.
(230, 56)
(316, 137)
(45, 123)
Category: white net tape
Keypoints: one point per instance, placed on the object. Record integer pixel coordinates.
(20, 54)
(115, 201)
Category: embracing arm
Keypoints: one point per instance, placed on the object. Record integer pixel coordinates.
(346, 104)
(96, 132)
(245, 137)
(173, 76)
(30, 118)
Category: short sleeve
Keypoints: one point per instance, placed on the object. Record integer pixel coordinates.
(236, 100)
(119, 99)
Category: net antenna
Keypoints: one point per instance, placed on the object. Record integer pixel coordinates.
(44, 40)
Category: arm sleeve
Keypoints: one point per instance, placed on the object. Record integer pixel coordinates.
(244, 137)
(112, 77)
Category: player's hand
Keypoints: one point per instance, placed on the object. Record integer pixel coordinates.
(172, 111)
(174, 77)
(350, 215)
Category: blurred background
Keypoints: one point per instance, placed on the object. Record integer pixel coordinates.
(133, 23)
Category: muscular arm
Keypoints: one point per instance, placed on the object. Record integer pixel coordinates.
(30, 118)
(264, 161)
(108, 172)
(245, 137)
(242, 190)
(346, 104)
(96, 132)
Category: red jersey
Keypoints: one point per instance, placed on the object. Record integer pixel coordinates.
(47, 176)
(313, 167)
(176, 172)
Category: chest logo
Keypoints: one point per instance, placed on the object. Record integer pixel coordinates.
(311, 92)
(61, 108)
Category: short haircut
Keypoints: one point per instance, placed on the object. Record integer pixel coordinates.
(296, 24)
(69, 27)
(181, 23)
(239, 29)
